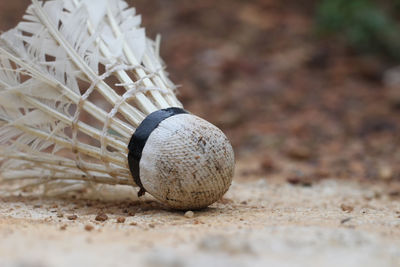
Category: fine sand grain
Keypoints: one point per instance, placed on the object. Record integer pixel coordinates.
(259, 222)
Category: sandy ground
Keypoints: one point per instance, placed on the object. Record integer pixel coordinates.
(260, 222)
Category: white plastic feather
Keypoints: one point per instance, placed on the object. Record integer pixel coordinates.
(52, 63)
(76, 79)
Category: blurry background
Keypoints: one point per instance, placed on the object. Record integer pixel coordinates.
(305, 90)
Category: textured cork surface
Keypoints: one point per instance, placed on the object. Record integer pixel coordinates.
(187, 163)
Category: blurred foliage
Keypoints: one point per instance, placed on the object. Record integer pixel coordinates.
(363, 24)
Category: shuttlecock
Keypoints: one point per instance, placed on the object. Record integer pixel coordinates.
(84, 98)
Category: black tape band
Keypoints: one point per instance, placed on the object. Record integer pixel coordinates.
(139, 139)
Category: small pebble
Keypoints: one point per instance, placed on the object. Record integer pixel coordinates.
(63, 227)
(346, 208)
(299, 180)
(89, 227)
(394, 194)
(267, 165)
(151, 225)
(101, 217)
(345, 220)
(133, 223)
(72, 217)
(120, 220)
(189, 214)
(298, 152)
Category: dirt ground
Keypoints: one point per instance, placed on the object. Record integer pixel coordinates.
(260, 222)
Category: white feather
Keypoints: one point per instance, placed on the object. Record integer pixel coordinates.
(97, 10)
(62, 53)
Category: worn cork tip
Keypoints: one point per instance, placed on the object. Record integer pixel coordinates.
(187, 163)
